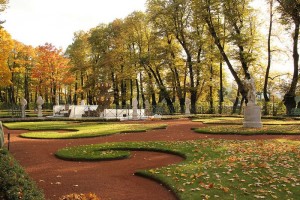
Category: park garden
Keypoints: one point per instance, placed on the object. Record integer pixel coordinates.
(182, 101)
(246, 165)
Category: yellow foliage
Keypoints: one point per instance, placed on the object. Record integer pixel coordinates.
(74, 196)
(6, 45)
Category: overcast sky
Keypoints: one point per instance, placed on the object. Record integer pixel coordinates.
(35, 22)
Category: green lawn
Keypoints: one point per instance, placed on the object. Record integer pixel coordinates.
(239, 121)
(214, 169)
(68, 130)
(234, 125)
(240, 130)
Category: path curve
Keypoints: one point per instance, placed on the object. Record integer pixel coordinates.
(110, 180)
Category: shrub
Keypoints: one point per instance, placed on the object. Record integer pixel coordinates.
(15, 182)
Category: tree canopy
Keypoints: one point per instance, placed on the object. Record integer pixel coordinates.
(177, 49)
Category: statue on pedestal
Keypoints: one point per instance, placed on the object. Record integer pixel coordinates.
(39, 103)
(252, 112)
(23, 105)
(251, 91)
(187, 106)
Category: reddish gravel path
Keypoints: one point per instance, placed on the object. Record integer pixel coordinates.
(110, 180)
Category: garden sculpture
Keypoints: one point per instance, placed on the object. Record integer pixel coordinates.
(23, 106)
(39, 103)
(251, 91)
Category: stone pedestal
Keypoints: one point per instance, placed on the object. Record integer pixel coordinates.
(40, 113)
(134, 108)
(252, 116)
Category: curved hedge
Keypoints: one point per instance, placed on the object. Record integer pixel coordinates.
(15, 182)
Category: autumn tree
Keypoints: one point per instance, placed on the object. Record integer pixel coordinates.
(79, 55)
(20, 62)
(6, 45)
(290, 16)
(241, 36)
(49, 72)
(175, 17)
(136, 31)
(265, 89)
(107, 58)
(3, 5)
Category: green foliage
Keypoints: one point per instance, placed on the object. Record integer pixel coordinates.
(15, 183)
(217, 169)
(76, 129)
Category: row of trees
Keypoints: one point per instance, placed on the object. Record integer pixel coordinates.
(28, 72)
(176, 49)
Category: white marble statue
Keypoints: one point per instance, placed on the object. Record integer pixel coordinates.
(297, 100)
(252, 112)
(39, 103)
(23, 105)
(251, 91)
(187, 106)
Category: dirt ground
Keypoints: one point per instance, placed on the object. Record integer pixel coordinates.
(109, 180)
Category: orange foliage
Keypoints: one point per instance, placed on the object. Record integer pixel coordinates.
(6, 45)
(52, 68)
(74, 196)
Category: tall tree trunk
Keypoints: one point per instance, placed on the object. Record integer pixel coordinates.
(131, 92)
(81, 83)
(217, 41)
(221, 97)
(26, 89)
(211, 101)
(116, 90)
(123, 93)
(142, 90)
(236, 102)
(163, 90)
(289, 100)
(152, 92)
(137, 91)
(193, 88)
(75, 93)
(266, 97)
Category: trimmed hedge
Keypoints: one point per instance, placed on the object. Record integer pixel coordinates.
(15, 182)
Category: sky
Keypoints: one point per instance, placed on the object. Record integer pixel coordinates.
(35, 22)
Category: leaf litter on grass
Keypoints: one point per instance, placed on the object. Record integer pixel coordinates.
(226, 169)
